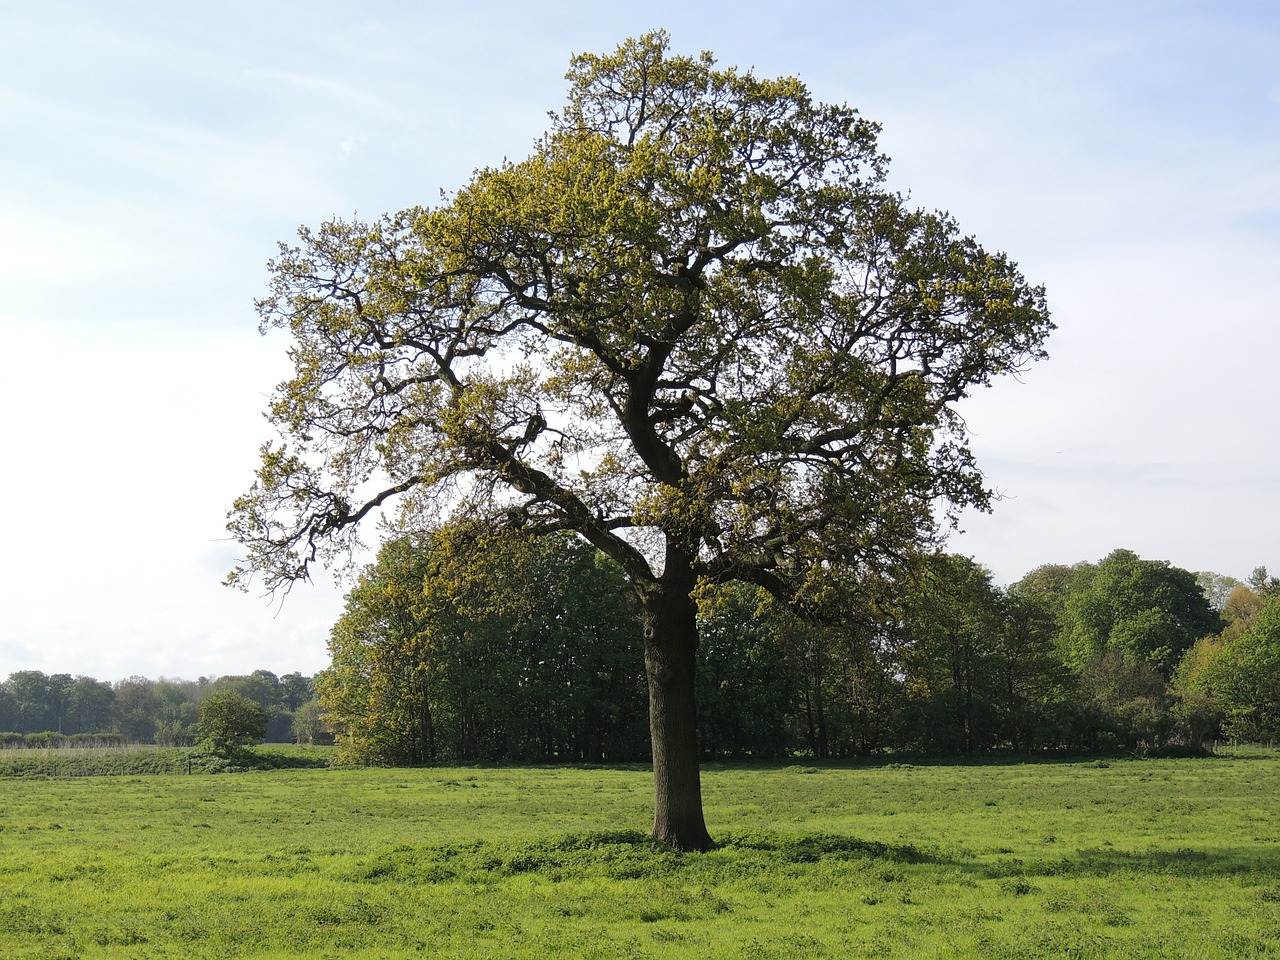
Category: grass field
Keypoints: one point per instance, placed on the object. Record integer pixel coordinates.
(1127, 858)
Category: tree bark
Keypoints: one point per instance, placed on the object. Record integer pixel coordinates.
(669, 617)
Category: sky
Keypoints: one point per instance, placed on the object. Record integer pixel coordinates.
(152, 155)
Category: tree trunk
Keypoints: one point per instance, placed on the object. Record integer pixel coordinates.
(669, 618)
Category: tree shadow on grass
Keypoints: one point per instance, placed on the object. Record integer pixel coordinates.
(1261, 862)
(907, 761)
(812, 847)
(622, 855)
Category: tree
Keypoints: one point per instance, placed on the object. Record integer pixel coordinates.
(1047, 585)
(137, 712)
(37, 700)
(1263, 583)
(464, 646)
(746, 688)
(8, 716)
(1234, 679)
(1240, 609)
(693, 326)
(1216, 587)
(1034, 683)
(89, 705)
(1123, 702)
(308, 722)
(176, 713)
(950, 620)
(265, 689)
(379, 689)
(296, 690)
(229, 721)
(1148, 610)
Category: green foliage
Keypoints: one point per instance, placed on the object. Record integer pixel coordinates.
(1240, 609)
(747, 689)
(978, 664)
(693, 326)
(1216, 587)
(35, 702)
(307, 724)
(1147, 610)
(731, 334)
(467, 645)
(1123, 703)
(229, 721)
(1263, 583)
(50, 740)
(1241, 677)
(137, 709)
(950, 617)
(942, 663)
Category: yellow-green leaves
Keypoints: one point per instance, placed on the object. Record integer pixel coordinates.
(693, 316)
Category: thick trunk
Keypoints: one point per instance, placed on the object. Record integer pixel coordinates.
(669, 618)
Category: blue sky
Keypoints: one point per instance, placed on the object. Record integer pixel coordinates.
(152, 155)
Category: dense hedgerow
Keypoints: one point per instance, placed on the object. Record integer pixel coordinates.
(140, 760)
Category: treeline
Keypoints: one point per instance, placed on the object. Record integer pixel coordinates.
(451, 649)
(38, 709)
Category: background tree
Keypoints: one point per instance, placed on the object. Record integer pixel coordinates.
(137, 712)
(1122, 703)
(378, 688)
(1034, 687)
(862, 687)
(747, 689)
(951, 616)
(1199, 707)
(295, 690)
(1231, 683)
(693, 326)
(470, 646)
(1216, 587)
(308, 723)
(1047, 586)
(1262, 583)
(266, 690)
(37, 701)
(1147, 610)
(229, 721)
(90, 705)
(176, 713)
(1240, 609)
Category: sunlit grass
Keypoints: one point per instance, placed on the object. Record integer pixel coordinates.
(1158, 858)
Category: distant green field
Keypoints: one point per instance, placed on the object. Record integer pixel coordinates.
(1154, 858)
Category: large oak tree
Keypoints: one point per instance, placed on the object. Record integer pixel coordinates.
(693, 326)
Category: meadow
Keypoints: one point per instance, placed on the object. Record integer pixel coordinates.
(1118, 858)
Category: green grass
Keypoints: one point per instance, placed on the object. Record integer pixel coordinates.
(144, 759)
(1129, 858)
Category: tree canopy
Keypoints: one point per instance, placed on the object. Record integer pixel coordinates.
(486, 648)
(229, 721)
(694, 326)
(1147, 610)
